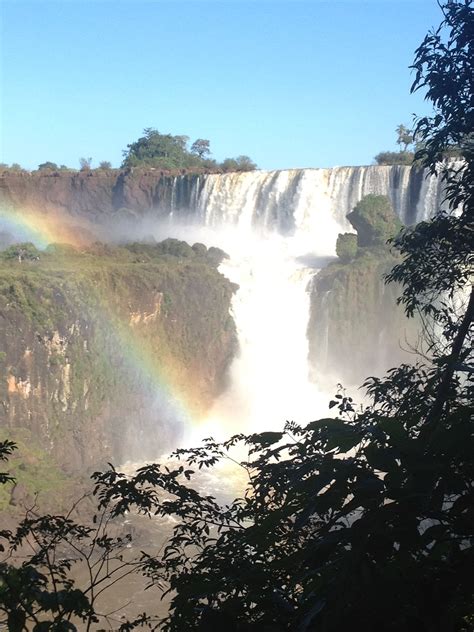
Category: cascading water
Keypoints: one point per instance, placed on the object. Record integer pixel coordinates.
(274, 199)
(276, 226)
(269, 379)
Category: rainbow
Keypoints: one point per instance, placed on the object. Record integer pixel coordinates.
(44, 229)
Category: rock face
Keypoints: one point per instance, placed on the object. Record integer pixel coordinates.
(93, 195)
(355, 327)
(95, 349)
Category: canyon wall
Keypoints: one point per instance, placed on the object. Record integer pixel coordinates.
(107, 355)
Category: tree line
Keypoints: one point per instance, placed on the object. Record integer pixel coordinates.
(155, 150)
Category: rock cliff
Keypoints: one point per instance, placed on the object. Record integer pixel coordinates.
(93, 195)
(356, 328)
(96, 345)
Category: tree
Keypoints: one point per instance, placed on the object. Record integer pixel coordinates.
(402, 157)
(394, 158)
(201, 148)
(48, 166)
(404, 137)
(365, 519)
(85, 163)
(241, 163)
(22, 252)
(154, 149)
(105, 164)
(36, 589)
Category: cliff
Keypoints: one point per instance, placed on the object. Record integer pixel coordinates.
(282, 200)
(95, 346)
(93, 195)
(356, 328)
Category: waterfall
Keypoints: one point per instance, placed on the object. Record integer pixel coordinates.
(269, 378)
(280, 228)
(290, 200)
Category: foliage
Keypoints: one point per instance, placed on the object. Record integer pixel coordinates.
(7, 448)
(177, 248)
(165, 151)
(346, 246)
(201, 148)
(444, 70)
(14, 167)
(374, 220)
(105, 164)
(404, 137)
(394, 158)
(38, 593)
(48, 166)
(85, 163)
(22, 252)
(241, 163)
(158, 150)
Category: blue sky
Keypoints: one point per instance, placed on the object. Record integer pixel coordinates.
(290, 83)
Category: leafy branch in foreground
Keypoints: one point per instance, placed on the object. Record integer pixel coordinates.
(41, 557)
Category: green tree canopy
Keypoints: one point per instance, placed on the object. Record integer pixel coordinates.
(154, 149)
(22, 252)
(241, 163)
(201, 148)
(48, 166)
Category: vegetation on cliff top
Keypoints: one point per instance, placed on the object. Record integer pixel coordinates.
(165, 151)
(154, 150)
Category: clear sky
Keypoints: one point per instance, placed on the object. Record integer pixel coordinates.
(290, 83)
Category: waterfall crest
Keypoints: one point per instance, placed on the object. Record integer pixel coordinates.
(291, 201)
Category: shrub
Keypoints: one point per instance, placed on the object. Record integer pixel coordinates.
(48, 166)
(395, 158)
(346, 246)
(374, 220)
(23, 252)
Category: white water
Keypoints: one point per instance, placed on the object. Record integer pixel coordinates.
(276, 226)
(269, 379)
